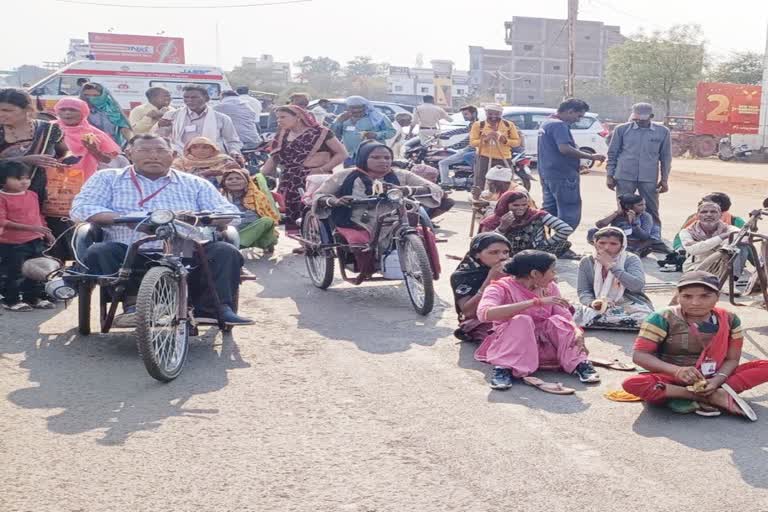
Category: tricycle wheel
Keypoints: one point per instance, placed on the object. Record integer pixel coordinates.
(84, 292)
(417, 273)
(319, 263)
(162, 337)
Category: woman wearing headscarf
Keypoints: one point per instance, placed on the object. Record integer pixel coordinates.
(356, 223)
(92, 145)
(526, 227)
(361, 122)
(203, 158)
(106, 113)
(301, 147)
(482, 265)
(260, 216)
(611, 284)
(706, 236)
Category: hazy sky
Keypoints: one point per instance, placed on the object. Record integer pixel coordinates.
(394, 31)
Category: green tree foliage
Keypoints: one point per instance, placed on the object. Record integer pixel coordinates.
(740, 68)
(660, 67)
(256, 78)
(322, 74)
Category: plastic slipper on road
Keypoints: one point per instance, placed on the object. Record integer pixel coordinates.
(707, 411)
(740, 403)
(556, 388)
(613, 365)
(619, 395)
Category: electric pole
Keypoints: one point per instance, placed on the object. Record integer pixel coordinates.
(573, 12)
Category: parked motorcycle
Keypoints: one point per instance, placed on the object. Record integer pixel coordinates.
(727, 152)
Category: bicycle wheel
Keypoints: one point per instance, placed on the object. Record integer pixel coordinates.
(84, 293)
(417, 273)
(319, 263)
(162, 337)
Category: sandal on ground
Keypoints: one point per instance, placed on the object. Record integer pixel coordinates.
(19, 307)
(299, 250)
(556, 388)
(613, 365)
(43, 304)
(247, 275)
(738, 405)
(706, 410)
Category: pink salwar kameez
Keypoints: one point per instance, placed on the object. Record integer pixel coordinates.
(539, 338)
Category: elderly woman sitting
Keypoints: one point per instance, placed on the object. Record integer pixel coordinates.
(526, 227)
(203, 158)
(706, 236)
(610, 284)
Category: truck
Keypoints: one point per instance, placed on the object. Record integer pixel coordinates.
(722, 110)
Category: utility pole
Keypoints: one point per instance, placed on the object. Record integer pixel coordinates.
(573, 12)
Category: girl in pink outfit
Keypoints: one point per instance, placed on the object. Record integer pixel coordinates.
(533, 326)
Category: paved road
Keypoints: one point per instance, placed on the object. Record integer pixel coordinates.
(346, 400)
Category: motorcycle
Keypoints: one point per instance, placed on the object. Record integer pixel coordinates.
(256, 158)
(727, 152)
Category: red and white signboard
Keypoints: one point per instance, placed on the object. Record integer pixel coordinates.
(135, 48)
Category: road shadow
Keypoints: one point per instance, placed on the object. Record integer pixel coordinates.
(378, 317)
(747, 441)
(98, 383)
(523, 394)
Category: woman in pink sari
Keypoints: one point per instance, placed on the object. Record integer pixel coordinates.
(533, 327)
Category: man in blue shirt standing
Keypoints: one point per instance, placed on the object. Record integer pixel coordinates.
(559, 160)
(360, 122)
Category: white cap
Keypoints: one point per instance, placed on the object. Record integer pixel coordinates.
(499, 173)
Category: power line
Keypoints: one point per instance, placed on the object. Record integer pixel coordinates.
(233, 6)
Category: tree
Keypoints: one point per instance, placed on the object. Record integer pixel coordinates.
(263, 79)
(362, 66)
(660, 67)
(366, 78)
(322, 74)
(740, 68)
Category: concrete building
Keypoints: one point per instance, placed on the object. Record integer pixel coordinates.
(539, 55)
(534, 70)
(281, 71)
(448, 85)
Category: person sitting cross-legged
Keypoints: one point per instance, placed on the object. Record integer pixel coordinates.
(611, 284)
(148, 185)
(643, 234)
(693, 351)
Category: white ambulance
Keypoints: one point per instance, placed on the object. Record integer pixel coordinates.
(127, 81)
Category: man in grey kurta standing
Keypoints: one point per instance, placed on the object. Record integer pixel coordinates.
(640, 158)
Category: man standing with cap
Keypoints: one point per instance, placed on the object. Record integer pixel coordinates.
(494, 139)
(640, 158)
(427, 116)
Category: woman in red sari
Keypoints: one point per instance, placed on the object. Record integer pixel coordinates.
(301, 147)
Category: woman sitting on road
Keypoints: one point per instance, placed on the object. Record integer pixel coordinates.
(610, 284)
(643, 234)
(707, 235)
(356, 222)
(257, 226)
(693, 351)
(202, 157)
(525, 227)
(483, 264)
(533, 327)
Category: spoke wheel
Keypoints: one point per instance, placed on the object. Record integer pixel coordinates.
(417, 274)
(162, 337)
(319, 263)
(84, 292)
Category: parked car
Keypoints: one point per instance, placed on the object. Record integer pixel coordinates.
(390, 110)
(589, 133)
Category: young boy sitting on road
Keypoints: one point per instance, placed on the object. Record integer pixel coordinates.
(643, 234)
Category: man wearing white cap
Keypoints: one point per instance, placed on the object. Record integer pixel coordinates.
(640, 158)
(494, 139)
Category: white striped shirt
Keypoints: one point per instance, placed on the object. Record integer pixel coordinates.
(113, 191)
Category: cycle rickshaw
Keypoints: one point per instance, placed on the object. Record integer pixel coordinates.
(164, 322)
(398, 245)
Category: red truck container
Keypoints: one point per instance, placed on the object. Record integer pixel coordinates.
(727, 109)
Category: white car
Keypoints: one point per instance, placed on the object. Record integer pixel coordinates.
(589, 133)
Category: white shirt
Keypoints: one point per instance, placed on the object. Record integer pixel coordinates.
(427, 115)
(252, 102)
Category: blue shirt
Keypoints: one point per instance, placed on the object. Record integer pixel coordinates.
(350, 132)
(114, 190)
(552, 164)
(642, 229)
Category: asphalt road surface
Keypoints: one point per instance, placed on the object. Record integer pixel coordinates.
(346, 400)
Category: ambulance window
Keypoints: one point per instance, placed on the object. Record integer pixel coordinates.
(68, 85)
(214, 90)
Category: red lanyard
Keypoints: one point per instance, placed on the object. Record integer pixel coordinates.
(143, 200)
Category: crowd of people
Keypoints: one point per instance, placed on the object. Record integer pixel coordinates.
(94, 164)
